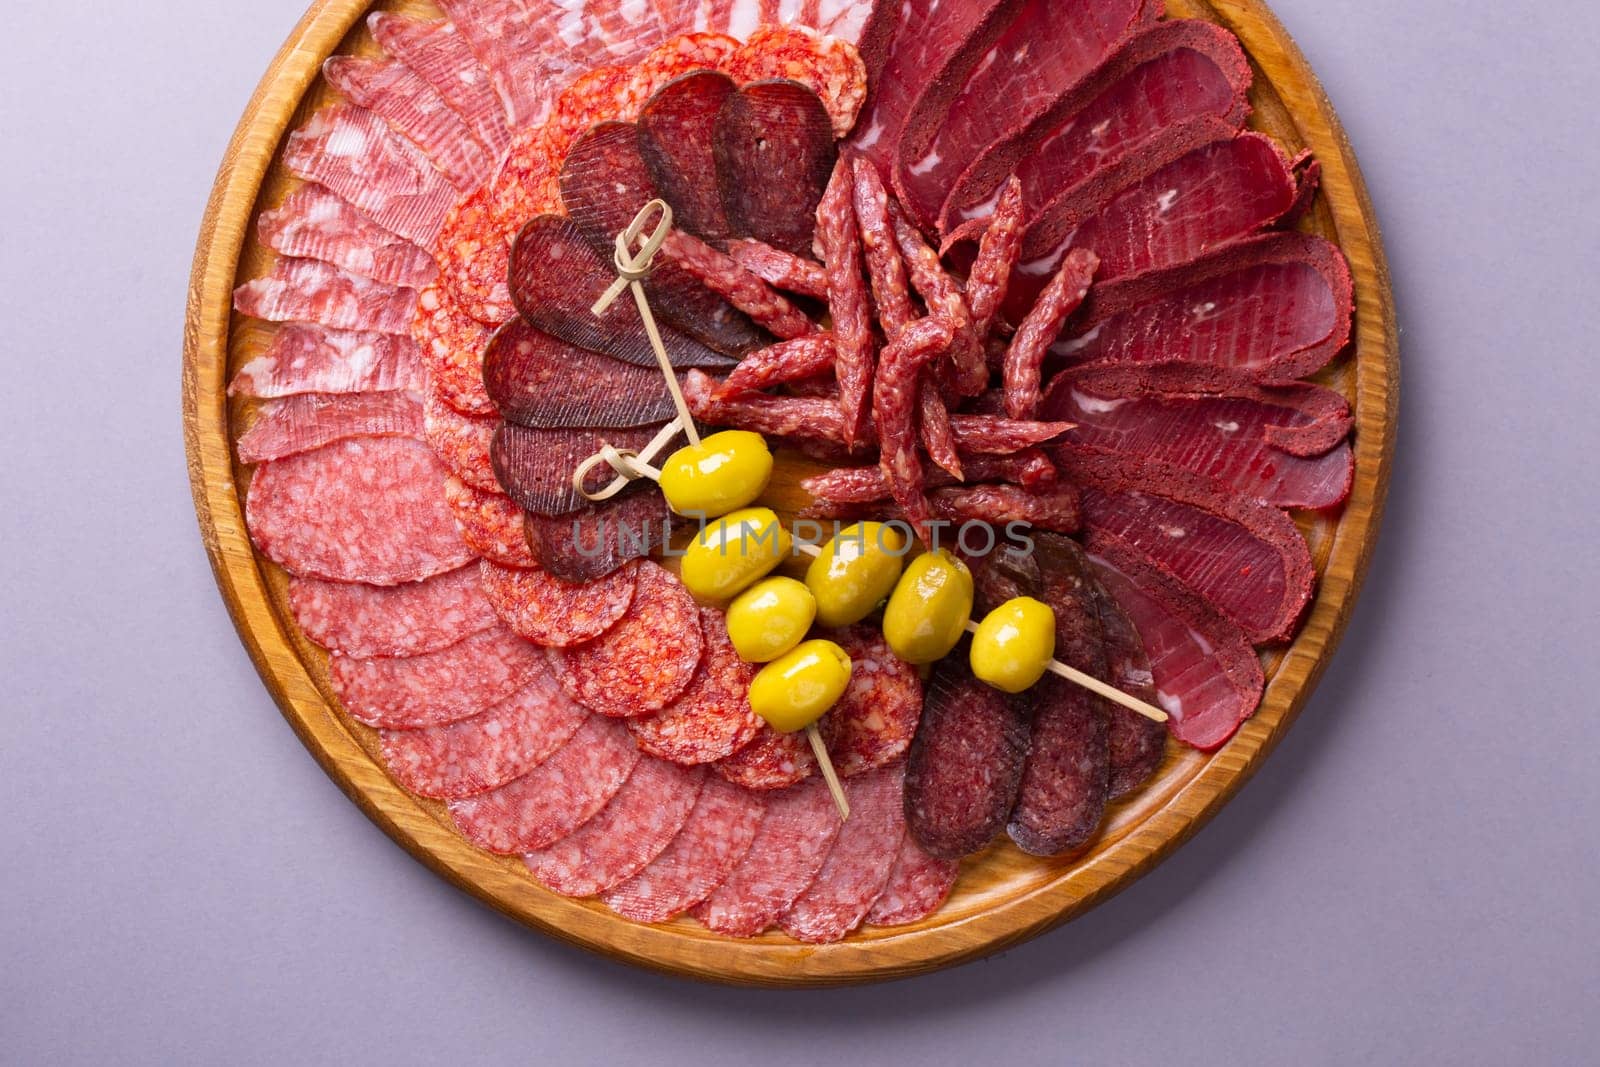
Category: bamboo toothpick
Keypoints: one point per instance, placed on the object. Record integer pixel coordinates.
(829, 775)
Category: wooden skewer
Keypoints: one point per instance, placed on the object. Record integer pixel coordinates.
(829, 775)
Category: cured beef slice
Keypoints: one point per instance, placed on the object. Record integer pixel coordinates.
(858, 864)
(598, 538)
(677, 130)
(918, 883)
(556, 797)
(535, 466)
(484, 752)
(304, 358)
(556, 276)
(306, 421)
(712, 719)
(453, 343)
(394, 620)
(630, 831)
(1161, 78)
(489, 523)
(555, 613)
(1136, 744)
(1281, 446)
(369, 509)
(414, 110)
(440, 687)
(542, 382)
(604, 183)
(351, 151)
(1046, 47)
(790, 847)
(309, 290)
(441, 58)
(966, 762)
(872, 724)
(713, 840)
(774, 151)
(1277, 307)
(313, 223)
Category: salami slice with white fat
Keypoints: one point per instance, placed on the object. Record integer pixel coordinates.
(556, 797)
(917, 885)
(395, 620)
(462, 759)
(874, 721)
(489, 523)
(306, 358)
(452, 684)
(314, 223)
(644, 662)
(630, 831)
(858, 864)
(712, 719)
(791, 846)
(293, 424)
(370, 509)
(309, 290)
(553, 612)
(713, 840)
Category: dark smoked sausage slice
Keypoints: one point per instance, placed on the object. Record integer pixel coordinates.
(774, 152)
(677, 130)
(535, 466)
(543, 382)
(598, 538)
(1136, 743)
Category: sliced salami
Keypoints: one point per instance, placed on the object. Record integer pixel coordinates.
(556, 797)
(535, 466)
(542, 382)
(630, 831)
(555, 613)
(489, 523)
(452, 684)
(309, 290)
(303, 358)
(484, 752)
(712, 719)
(313, 223)
(792, 844)
(676, 133)
(391, 620)
(416, 111)
(462, 442)
(452, 342)
(827, 66)
(774, 151)
(713, 840)
(918, 883)
(370, 509)
(872, 724)
(597, 539)
(858, 864)
(644, 662)
(294, 424)
(772, 761)
(441, 58)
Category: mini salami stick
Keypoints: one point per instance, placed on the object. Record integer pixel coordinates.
(453, 343)
(779, 364)
(968, 371)
(396, 620)
(839, 241)
(723, 275)
(891, 291)
(772, 761)
(918, 883)
(542, 382)
(873, 723)
(489, 524)
(712, 719)
(1039, 330)
(774, 151)
(1058, 508)
(933, 423)
(555, 613)
(998, 251)
(894, 402)
(445, 686)
(784, 270)
(644, 662)
(677, 132)
(858, 864)
(1030, 469)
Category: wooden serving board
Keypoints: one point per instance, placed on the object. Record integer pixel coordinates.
(1003, 896)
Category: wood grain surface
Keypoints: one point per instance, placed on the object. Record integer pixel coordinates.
(1003, 896)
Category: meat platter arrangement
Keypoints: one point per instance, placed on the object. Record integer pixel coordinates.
(944, 475)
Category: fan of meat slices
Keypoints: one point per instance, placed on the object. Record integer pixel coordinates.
(991, 261)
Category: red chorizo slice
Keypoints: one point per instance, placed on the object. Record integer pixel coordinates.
(677, 131)
(553, 612)
(630, 831)
(474, 249)
(712, 719)
(394, 620)
(489, 523)
(453, 343)
(440, 687)
(872, 724)
(644, 662)
(556, 797)
(484, 752)
(918, 883)
(826, 65)
(772, 761)
(858, 864)
(774, 151)
(293, 424)
(543, 382)
(462, 442)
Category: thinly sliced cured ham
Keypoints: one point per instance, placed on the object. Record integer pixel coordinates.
(414, 110)
(396, 620)
(440, 687)
(305, 358)
(313, 223)
(531, 50)
(294, 424)
(309, 290)
(352, 152)
(439, 55)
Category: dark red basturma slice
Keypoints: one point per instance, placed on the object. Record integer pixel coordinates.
(391, 620)
(604, 183)
(791, 846)
(535, 467)
(556, 276)
(645, 661)
(774, 150)
(306, 421)
(315, 223)
(542, 382)
(556, 797)
(710, 845)
(1164, 76)
(599, 538)
(452, 684)
(873, 722)
(489, 523)
(771, 761)
(1136, 743)
(1046, 47)
(460, 441)
(677, 130)
(1282, 446)
(858, 864)
(1276, 307)
(1207, 676)
(918, 883)
(309, 290)
(556, 613)
(629, 832)
(472, 756)
(370, 509)
(966, 761)
(303, 358)
(712, 719)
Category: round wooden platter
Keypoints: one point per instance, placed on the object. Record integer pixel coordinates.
(1003, 896)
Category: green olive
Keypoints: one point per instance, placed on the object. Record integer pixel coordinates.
(855, 571)
(1014, 644)
(770, 618)
(794, 691)
(734, 551)
(723, 472)
(929, 609)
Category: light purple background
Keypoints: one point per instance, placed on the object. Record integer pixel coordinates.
(1412, 877)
